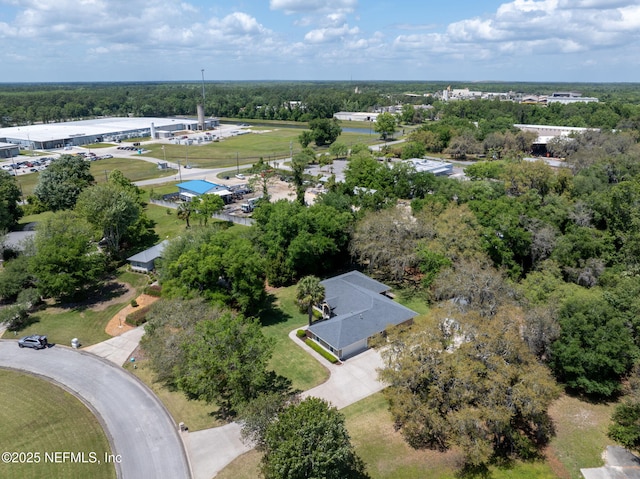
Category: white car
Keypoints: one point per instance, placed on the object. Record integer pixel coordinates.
(240, 176)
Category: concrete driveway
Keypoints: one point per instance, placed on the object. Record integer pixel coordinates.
(355, 379)
(138, 426)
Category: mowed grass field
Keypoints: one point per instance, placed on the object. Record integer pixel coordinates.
(289, 359)
(38, 417)
(133, 168)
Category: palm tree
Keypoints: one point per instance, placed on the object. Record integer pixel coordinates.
(309, 292)
(184, 212)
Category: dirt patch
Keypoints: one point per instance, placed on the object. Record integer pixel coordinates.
(117, 324)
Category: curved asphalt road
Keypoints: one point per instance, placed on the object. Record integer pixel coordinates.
(139, 429)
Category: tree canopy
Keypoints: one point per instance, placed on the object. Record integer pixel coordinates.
(10, 194)
(471, 382)
(309, 293)
(385, 125)
(111, 208)
(307, 440)
(216, 265)
(66, 260)
(62, 182)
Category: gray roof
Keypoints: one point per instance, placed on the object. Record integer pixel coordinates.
(360, 310)
(16, 240)
(150, 254)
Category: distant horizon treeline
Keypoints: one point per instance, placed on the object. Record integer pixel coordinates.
(29, 103)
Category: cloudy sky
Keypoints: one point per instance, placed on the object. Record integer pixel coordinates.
(143, 40)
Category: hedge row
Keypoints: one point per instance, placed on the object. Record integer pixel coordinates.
(323, 352)
(139, 316)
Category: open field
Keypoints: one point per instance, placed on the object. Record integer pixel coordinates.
(248, 148)
(38, 417)
(132, 168)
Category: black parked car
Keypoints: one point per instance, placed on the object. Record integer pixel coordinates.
(34, 341)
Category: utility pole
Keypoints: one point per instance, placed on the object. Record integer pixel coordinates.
(237, 165)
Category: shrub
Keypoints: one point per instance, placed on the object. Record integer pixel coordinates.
(15, 317)
(30, 297)
(625, 427)
(301, 333)
(138, 317)
(134, 303)
(153, 290)
(323, 352)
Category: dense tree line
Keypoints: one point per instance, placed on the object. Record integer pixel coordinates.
(22, 104)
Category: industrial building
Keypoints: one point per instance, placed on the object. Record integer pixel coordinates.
(355, 116)
(433, 166)
(9, 150)
(78, 133)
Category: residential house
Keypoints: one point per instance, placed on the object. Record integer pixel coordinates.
(356, 308)
(144, 261)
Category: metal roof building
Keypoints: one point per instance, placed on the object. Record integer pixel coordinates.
(190, 189)
(436, 167)
(78, 133)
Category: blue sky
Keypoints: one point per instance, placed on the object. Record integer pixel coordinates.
(454, 40)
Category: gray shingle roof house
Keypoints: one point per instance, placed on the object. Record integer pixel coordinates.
(359, 310)
(143, 262)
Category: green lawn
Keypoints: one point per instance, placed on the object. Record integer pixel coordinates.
(38, 417)
(85, 321)
(60, 325)
(196, 415)
(581, 433)
(132, 168)
(167, 223)
(248, 148)
(289, 359)
(387, 456)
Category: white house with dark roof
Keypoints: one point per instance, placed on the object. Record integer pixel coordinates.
(144, 261)
(356, 308)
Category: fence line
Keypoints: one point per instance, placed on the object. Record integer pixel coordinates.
(239, 220)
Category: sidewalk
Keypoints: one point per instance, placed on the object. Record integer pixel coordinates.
(118, 349)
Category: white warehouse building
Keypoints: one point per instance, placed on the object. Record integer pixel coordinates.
(78, 133)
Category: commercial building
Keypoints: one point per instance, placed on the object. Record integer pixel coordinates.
(78, 133)
(436, 167)
(355, 116)
(9, 150)
(566, 97)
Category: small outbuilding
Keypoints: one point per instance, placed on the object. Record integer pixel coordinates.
(144, 262)
(356, 308)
